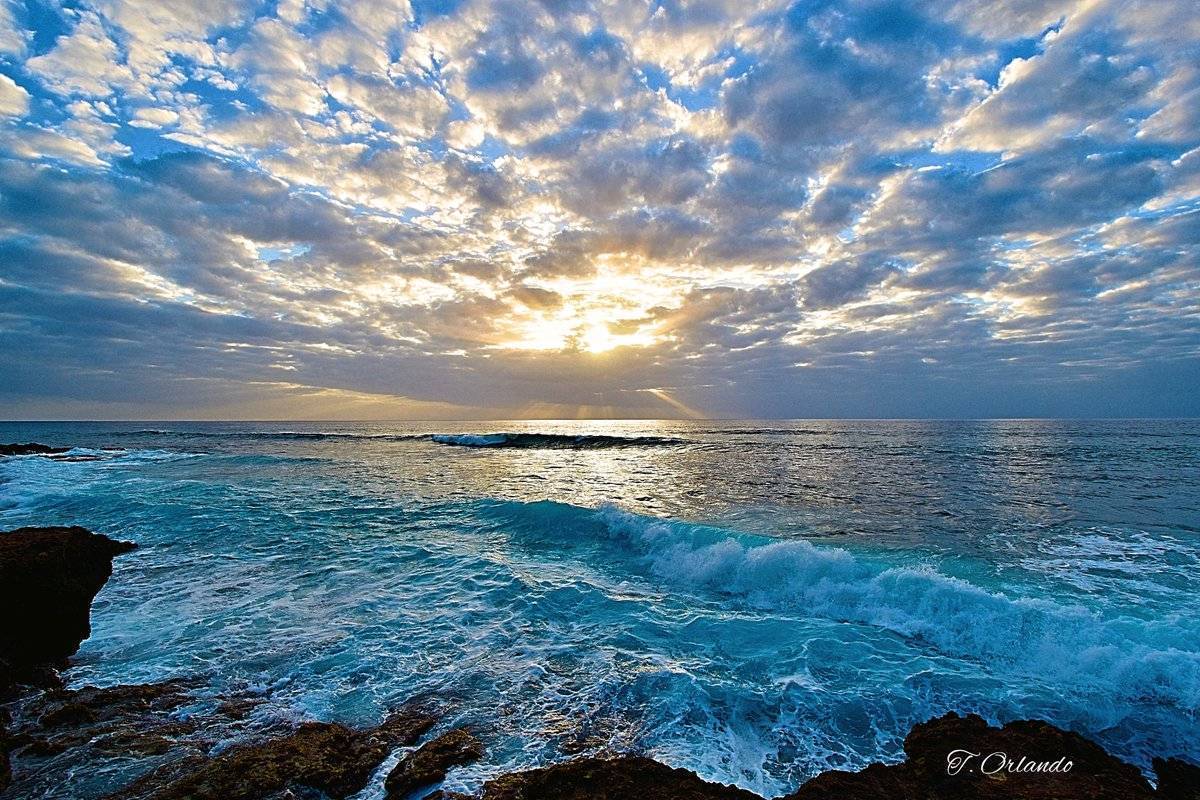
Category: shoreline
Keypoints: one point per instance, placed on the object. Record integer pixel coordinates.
(338, 761)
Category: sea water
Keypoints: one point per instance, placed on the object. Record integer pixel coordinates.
(754, 601)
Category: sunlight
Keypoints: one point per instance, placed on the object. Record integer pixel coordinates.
(587, 329)
(598, 339)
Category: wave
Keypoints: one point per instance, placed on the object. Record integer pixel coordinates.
(555, 441)
(514, 440)
(296, 435)
(85, 454)
(1132, 662)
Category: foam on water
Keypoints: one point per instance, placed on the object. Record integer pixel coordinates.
(1112, 666)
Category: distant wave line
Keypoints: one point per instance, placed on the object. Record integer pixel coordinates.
(558, 441)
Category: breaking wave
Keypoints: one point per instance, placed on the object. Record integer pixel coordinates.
(1124, 662)
(556, 441)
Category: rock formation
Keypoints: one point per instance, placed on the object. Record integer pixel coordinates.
(48, 577)
(429, 763)
(29, 448)
(321, 756)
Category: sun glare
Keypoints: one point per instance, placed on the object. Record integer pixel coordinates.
(598, 339)
(595, 316)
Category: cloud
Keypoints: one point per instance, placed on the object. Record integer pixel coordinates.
(510, 206)
(14, 100)
(85, 61)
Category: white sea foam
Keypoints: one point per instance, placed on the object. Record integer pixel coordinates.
(1120, 659)
(471, 439)
(1117, 661)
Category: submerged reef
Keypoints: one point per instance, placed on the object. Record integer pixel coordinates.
(49, 576)
(30, 449)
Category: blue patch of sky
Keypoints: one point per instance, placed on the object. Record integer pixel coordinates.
(46, 21)
(283, 252)
(970, 161)
(492, 149)
(707, 94)
(1007, 52)
(426, 10)
(147, 143)
(745, 146)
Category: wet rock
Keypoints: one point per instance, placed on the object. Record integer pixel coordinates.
(29, 449)
(1177, 780)
(429, 763)
(621, 778)
(238, 708)
(48, 577)
(128, 719)
(929, 772)
(317, 756)
(950, 758)
(5, 744)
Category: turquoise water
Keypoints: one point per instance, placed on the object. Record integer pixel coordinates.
(755, 601)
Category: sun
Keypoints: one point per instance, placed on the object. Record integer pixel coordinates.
(597, 339)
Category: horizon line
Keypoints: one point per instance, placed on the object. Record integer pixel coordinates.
(601, 419)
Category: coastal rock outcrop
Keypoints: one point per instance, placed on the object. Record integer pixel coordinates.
(48, 577)
(132, 719)
(963, 758)
(429, 763)
(1177, 780)
(321, 756)
(620, 778)
(950, 758)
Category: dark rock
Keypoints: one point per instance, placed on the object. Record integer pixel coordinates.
(321, 756)
(29, 449)
(931, 746)
(129, 719)
(5, 745)
(238, 708)
(113, 701)
(1093, 774)
(429, 763)
(48, 577)
(1177, 780)
(622, 778)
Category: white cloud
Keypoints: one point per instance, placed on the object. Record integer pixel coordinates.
(12, 39)
(14, 100)
(86, 61)
(154, 117)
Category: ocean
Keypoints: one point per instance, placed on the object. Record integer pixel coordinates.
(756, 601)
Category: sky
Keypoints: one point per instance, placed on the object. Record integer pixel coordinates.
(394, 209)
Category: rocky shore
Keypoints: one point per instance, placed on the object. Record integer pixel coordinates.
(49, 576)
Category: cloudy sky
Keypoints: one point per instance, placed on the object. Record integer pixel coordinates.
(444, 208)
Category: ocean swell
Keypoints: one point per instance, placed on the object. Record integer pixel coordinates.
(1110, 665)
